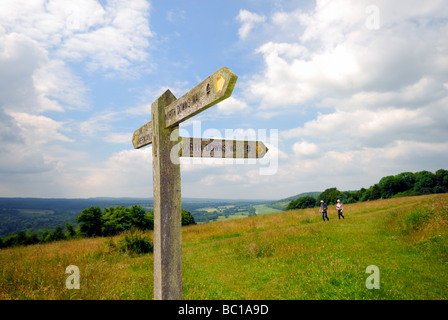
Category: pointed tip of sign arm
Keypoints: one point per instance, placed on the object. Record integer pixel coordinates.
(214, 89)
(142, 136)
(231, 85)
(264, 150)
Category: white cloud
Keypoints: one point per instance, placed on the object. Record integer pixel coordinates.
(55, 85)
(38, 42)
(358, 103)
(380, 96)
(109, 37)
(369, 128)
(304, 148)
(39, 129)
(175, 15)
(248, 20)
(128, 172)
(231, 105)
(336, 55)
(98, 124)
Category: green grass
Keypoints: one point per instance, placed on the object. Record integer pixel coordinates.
(285, 255)
(264, 209)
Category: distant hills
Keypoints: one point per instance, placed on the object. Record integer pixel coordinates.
(314, 194)
(39, 214)
(283, 203)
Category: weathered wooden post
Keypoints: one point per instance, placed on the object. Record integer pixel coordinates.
(162, 131)
(167, 206)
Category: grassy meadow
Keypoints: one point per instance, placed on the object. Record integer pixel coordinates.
(285, 255)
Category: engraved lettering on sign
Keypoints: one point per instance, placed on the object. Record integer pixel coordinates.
(142, 139)
(178, 109)
(195, 98)
(208, 88)
(171, 113)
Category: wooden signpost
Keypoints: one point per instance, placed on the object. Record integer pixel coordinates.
(162, 132)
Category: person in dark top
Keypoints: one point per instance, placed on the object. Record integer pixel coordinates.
(323, 209)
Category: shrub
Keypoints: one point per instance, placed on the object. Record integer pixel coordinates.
(259, 250)
(135, 241)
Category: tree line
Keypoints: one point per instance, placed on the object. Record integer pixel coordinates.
(400, 185)
(94, 222)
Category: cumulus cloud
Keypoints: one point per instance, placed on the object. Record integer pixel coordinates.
(248, 21)
(336, 55)
(38, 42)
(123, 173)
(304, 148)
(108, 36)
(39, 129)
(231, 105)
(374, 100)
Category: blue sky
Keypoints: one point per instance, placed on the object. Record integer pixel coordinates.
(342, 92)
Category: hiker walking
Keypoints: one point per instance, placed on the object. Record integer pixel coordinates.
(323, 209)
(340, 208)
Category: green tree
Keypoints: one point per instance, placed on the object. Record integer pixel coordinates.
(441, 180)
(373, 193)
(21, 238)
(150, 218)
(45, 236)
(330, 196)
(376, 192)
(115, 220)
(360, 193)
(140, 219)
(89, 222)
(302, 203)
(404, 181)
(70, 230)
(424, 182)
(57, 234)
(252, 211)
(387, 186)
(187, 218)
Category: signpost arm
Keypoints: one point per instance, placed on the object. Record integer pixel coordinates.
(167, 206)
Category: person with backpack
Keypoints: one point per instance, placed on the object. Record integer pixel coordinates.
(340, 208)
(323, 209)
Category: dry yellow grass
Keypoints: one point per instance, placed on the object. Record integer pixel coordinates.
(38, 271)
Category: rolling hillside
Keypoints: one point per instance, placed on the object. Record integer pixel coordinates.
(283, 203)
(286, 255)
